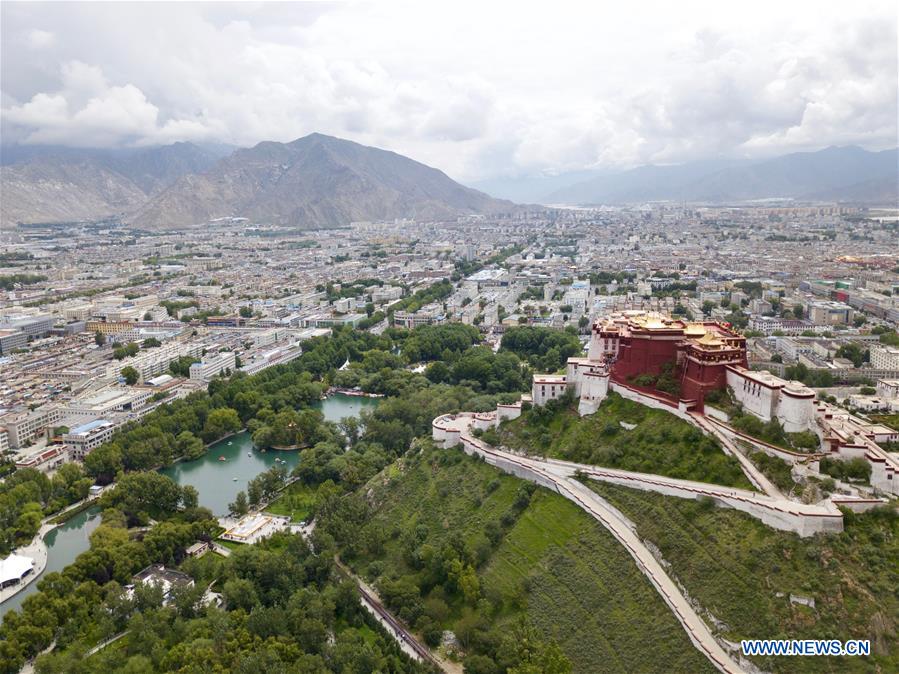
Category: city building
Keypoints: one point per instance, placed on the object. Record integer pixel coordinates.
(212, 365)
(10, 340)
(87, 437)
(829, 313)
(22, 427)
(45, 460)
(885, 357)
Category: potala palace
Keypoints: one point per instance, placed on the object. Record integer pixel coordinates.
(632, 352)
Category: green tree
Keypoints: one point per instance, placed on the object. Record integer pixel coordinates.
(105, 462)
(190, 446)
(99, 338)
(239, 506)
(219, 423)
(131, 375)
(469, 584)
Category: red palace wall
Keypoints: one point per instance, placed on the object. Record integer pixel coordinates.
(701, 378)
(643, 355)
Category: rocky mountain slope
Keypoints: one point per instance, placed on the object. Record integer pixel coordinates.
(316, 180)
(313, 181)
(63, 185)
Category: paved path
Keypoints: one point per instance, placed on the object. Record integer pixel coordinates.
(623, 530)
(756, 476)
(103, 644)
(36, 550)
(756, 504)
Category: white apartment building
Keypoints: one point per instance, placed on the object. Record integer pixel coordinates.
(78, 312)
(212, 365)
(22, 427)
(105, 402)
(885, 358)
(152, 362)
(88, 437)
(404, 319)
(386, 294)
(829, 313)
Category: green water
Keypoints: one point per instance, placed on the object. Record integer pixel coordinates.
(213, 479)
(64, 544)
(339, 406)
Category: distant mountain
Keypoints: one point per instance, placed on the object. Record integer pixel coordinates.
(314, 181)
(836, 173)
(48, 184)
(533, 187)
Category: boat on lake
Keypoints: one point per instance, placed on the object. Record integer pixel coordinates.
(222, 458)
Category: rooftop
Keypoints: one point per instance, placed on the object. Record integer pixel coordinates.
(89, 426)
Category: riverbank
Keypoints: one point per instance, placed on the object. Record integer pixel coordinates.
(37, 548)
(352, 393)
(37, 551)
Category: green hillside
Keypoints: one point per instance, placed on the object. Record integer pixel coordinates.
(536, 557)
(744, 572)
(652, 441)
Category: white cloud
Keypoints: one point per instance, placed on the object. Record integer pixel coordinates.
(476, 90)
(106, 116)
(39, 39)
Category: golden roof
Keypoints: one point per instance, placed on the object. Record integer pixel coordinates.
(650, 321)
(694, 330)
(708, 339)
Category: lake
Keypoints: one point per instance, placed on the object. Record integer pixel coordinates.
(213, 479)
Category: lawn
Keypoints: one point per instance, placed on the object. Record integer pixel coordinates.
(891, 420)
(744, 572)
(296, 501)
(651, 441)
(541, 558)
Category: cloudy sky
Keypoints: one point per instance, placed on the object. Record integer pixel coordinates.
(478, 89)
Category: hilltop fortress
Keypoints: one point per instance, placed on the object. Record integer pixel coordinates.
(641, 350)
(675, 364)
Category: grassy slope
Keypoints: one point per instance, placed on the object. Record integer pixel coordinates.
(661, 443)
(297, 501)
(555, 564)
(735, 566)
(891, 420)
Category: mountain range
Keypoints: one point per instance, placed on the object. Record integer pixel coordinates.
(849, 174)
(320, 180)
(57, 184)
(314, 181)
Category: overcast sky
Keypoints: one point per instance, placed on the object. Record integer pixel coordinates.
(478, 90)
